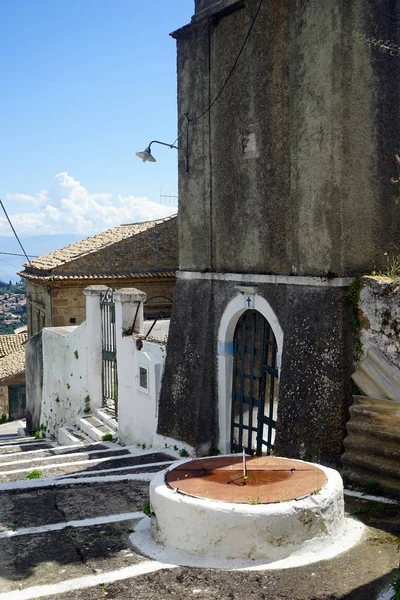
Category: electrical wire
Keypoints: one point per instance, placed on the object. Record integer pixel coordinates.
(15, 233)
(194, 119)
(8, 263)
(232, 69)
(23, 255)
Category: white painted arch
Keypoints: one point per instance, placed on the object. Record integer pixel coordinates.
(244, 299)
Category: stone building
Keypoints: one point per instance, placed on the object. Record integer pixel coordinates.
(141, 255)
(284, 181)
(12, 375)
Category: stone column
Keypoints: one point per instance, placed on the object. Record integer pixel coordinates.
(129, 311)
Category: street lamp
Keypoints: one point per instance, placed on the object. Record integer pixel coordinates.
(146, 154)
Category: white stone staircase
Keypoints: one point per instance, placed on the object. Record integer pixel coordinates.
(67, 512)
(99, 426)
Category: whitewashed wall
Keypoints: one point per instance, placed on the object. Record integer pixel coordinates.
(64, 376)
(72, 368)
(72, 365)
(138, 405)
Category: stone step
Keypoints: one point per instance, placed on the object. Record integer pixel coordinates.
(25, 447)
(70, 436)
(6, 438)
(16, 441)
(84, 536)
(50, 451)
(51, 557)
(36, 459)
(57, 556)
(94, 428)
(107, 417)
(118, 471)
(97, 466)
(33, 507)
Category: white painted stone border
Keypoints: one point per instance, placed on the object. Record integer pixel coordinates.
(254, 278)
(133, 516)
(87, 581)
(66, 438)
(315, 551)
(60, 455)
(56, 449)
(87, 462)
(26, 484)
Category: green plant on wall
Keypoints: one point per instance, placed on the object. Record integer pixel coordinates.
(76, 354)
(87, 408)
(392, 267)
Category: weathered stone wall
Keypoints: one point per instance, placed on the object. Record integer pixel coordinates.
(65, 304)
(38, 306)
(379, 313)
(205, 7)
(315, 383)
(3, 400)
(69, 300)
(152, 249)
(65, 387)
(299, 147)
(288, 173)
(34, 381)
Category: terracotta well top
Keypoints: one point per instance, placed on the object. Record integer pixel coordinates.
(269, 479)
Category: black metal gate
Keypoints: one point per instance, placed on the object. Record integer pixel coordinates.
(109, 351)
(16, 402)
(255, 385)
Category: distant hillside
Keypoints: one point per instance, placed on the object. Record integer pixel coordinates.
(34, 245)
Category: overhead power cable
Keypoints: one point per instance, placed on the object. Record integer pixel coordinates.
(15, 233)
(14, 254)
(190, 120)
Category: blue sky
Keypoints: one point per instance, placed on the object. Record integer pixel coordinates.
(85, 84)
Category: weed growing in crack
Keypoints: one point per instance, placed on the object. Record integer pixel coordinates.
(35, 474)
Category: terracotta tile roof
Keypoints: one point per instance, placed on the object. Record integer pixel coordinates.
(13, 364)
(12, 343)
(43, 266)
(12, 354)
(167, 272)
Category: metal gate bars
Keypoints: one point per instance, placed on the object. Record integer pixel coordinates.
(254, 386)
(109, 351)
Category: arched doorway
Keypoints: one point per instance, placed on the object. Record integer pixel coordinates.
(254, 385)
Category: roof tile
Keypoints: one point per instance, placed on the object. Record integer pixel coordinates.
(91, 244)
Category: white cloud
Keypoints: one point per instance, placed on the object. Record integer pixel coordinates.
(67, 207)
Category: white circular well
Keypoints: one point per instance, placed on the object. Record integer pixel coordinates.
(227, 530)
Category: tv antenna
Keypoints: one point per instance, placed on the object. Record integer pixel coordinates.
(169, 198)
